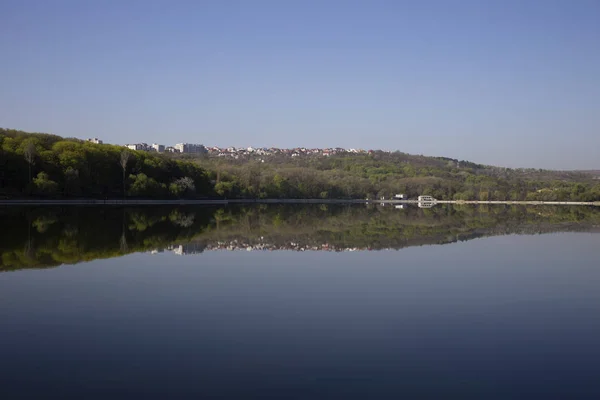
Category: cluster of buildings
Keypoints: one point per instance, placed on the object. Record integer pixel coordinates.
(235, 152)
(186, 148)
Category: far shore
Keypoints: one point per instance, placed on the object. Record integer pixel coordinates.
(278, 201)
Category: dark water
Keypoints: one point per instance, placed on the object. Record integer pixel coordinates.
(498, 311)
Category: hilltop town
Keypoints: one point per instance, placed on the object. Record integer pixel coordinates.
(235, 152)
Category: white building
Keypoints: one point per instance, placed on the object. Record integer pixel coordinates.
(160, 148)
(400, 196)
(190, 148)
(95, 140)
(136, 146)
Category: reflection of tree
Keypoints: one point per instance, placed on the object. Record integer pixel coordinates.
(30, 249)
(42, 223)
(140, 221)
(50, 236)
(70, 230)
(182, 219)
(377, 228)
(123, 243)
(123, 239)
(29, 244)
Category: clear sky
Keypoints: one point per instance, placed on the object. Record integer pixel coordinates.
(508, 82)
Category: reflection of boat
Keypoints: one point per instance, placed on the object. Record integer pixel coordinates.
(426, 201)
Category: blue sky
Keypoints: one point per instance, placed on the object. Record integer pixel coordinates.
(511, 83)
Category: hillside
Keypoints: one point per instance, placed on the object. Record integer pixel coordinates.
(383, 174)
(33, 164)
(594, 172)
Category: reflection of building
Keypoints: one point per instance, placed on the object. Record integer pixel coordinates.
(426, 199)
(178, 249)
(188, 248)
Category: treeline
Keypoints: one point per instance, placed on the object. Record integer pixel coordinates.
(50, 166)
(50, 236)
(44, 165)
(383, 174)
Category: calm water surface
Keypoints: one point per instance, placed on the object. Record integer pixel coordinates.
(501, 317)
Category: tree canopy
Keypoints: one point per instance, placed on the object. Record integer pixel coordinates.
(50, 166)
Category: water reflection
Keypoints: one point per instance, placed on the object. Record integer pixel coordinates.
(36, 237)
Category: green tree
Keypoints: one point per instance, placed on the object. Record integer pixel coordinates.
(44, 185)
(143, 186)
(182, 187)
(71, 181)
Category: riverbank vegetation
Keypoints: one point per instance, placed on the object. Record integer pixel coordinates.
(48, 166)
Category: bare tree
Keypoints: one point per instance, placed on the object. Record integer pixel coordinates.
(29, 153)
(125, 155)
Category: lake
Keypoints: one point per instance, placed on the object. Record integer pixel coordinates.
(300, 302)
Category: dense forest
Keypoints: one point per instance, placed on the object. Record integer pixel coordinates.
(36, 237)
(42, 165)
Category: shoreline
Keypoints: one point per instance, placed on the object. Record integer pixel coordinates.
(115, 202)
